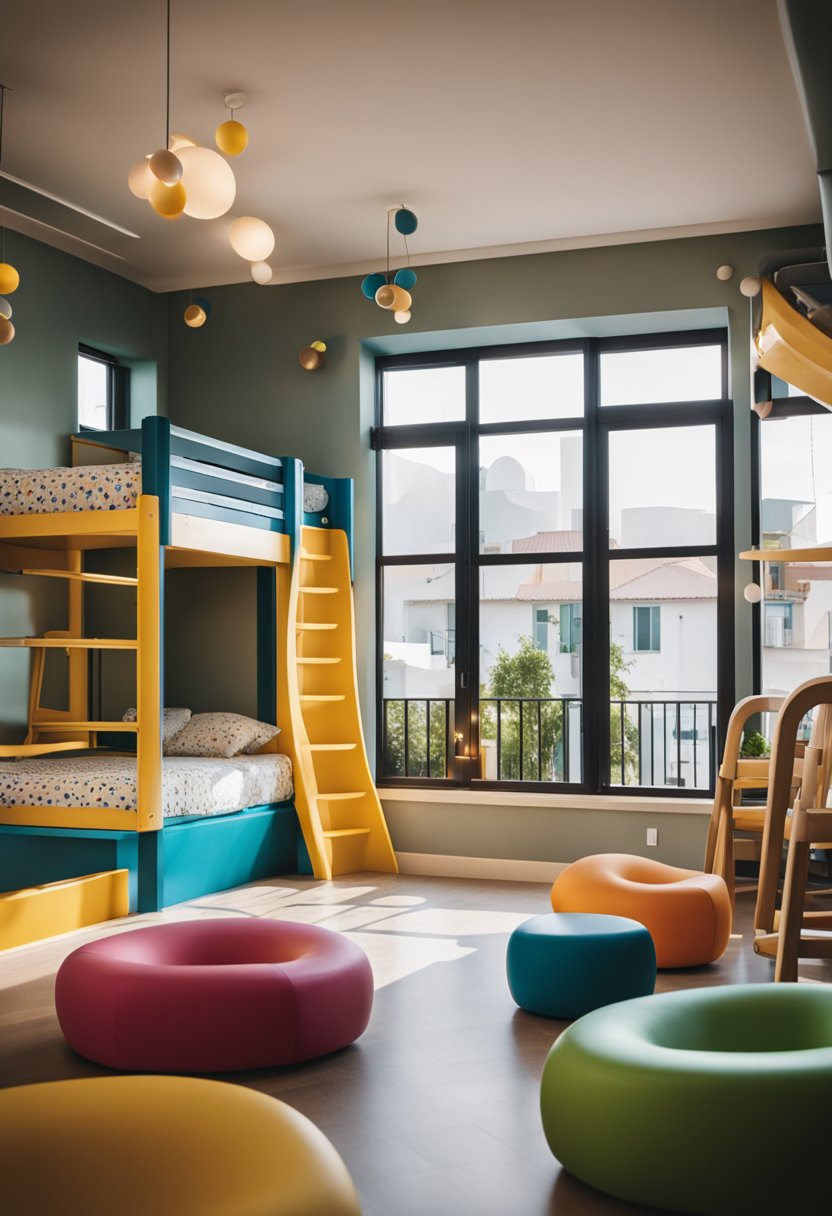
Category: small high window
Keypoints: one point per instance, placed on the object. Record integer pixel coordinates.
(103, 391)
(646, 628)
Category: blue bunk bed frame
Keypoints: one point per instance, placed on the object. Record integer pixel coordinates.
(192, 474)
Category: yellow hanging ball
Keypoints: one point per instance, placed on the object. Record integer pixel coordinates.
(168, 201)
(321, 346)
(9, 280)
(231, 137)
(6, 331)
(195, 315)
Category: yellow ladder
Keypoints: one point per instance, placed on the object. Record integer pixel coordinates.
(337, 803)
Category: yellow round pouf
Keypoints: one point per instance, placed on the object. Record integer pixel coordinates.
(171, 1146)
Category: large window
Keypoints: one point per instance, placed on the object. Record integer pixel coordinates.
(103, 391)
(795, 512)
(554, 556)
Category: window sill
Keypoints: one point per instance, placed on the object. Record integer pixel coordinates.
(548, 801)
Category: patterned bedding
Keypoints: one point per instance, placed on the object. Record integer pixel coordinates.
(98, 487)
(91, 487)
(191, 785)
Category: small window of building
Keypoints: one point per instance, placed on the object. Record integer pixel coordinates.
(570, 628)
(779, 625)
(103, 391)
(647, 628)
(541, 628)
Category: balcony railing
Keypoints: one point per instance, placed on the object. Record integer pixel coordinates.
(540, 739)
(662, 743)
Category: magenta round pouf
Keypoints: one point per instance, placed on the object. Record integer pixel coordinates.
(214, 996)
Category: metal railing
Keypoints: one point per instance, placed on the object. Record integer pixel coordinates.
(540, 739)
(662, 743)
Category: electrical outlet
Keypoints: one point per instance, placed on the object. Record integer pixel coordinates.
(653, 836)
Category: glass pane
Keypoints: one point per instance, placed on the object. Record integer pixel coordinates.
(663, 671)
(531, 708)
(796, 512)
(531, 493)
(643, 377)
(663, 487)
(545, 386)
(92, 393)
(419, 500)
(418, 676)
(429, 394)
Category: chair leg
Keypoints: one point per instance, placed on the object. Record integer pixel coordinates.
(791, 911)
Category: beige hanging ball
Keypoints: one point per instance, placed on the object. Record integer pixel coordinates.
(724, 273)
(194, 316)
(6, 331)
(166, 166)
(750, 286)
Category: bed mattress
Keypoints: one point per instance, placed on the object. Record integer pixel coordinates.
(92, 487)
(106, 487)
(190, 785)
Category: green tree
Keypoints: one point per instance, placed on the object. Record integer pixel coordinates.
(619, 691)
(518, 679)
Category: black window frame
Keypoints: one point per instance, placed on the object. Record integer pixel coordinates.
(118, 390)
(596, 425)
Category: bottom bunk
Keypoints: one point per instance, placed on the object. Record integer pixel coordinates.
(226, 822)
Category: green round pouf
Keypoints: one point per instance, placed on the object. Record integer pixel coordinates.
(709, 1101)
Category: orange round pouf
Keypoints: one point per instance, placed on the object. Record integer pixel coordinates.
(687, 913)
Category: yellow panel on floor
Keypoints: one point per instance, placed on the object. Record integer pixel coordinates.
(58, 907)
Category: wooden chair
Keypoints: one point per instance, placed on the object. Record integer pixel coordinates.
(782, 935)
(737, 773)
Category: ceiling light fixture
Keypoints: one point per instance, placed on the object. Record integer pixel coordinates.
(9, 276)
(231, 136)
(392, 290)
(158, 176)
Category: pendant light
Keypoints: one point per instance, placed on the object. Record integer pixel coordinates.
(392, 290)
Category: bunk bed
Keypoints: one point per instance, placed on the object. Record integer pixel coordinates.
(179, 499)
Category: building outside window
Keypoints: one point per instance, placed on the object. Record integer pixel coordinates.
(103, 391)
(647, 628)
(565, 505)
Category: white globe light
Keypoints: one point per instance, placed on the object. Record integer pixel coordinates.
(140, 180)
(750, 286)
(724, 273)
(753, 593)
(402, 316)
(209, 182)
(5, 308)
(251, 238)
(261, 272)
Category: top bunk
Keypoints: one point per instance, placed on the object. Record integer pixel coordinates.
(215, 499)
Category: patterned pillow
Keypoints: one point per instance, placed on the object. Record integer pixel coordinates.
(315, 497)
(220, 734)
(172, 722)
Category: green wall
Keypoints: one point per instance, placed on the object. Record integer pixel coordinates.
(238, 378)
(60, 302)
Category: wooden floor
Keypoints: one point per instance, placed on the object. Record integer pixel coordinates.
(435, 1109)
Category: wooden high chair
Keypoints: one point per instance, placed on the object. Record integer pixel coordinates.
(782, 934)
(738, 773)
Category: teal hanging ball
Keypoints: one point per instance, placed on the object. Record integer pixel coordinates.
(405, 279)
(371, 285)
(405, 221)
(204, 304)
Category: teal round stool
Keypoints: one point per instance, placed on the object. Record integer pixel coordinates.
(564, 964)
(709, 1101)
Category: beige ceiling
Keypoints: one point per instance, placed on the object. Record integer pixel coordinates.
(510, 126)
